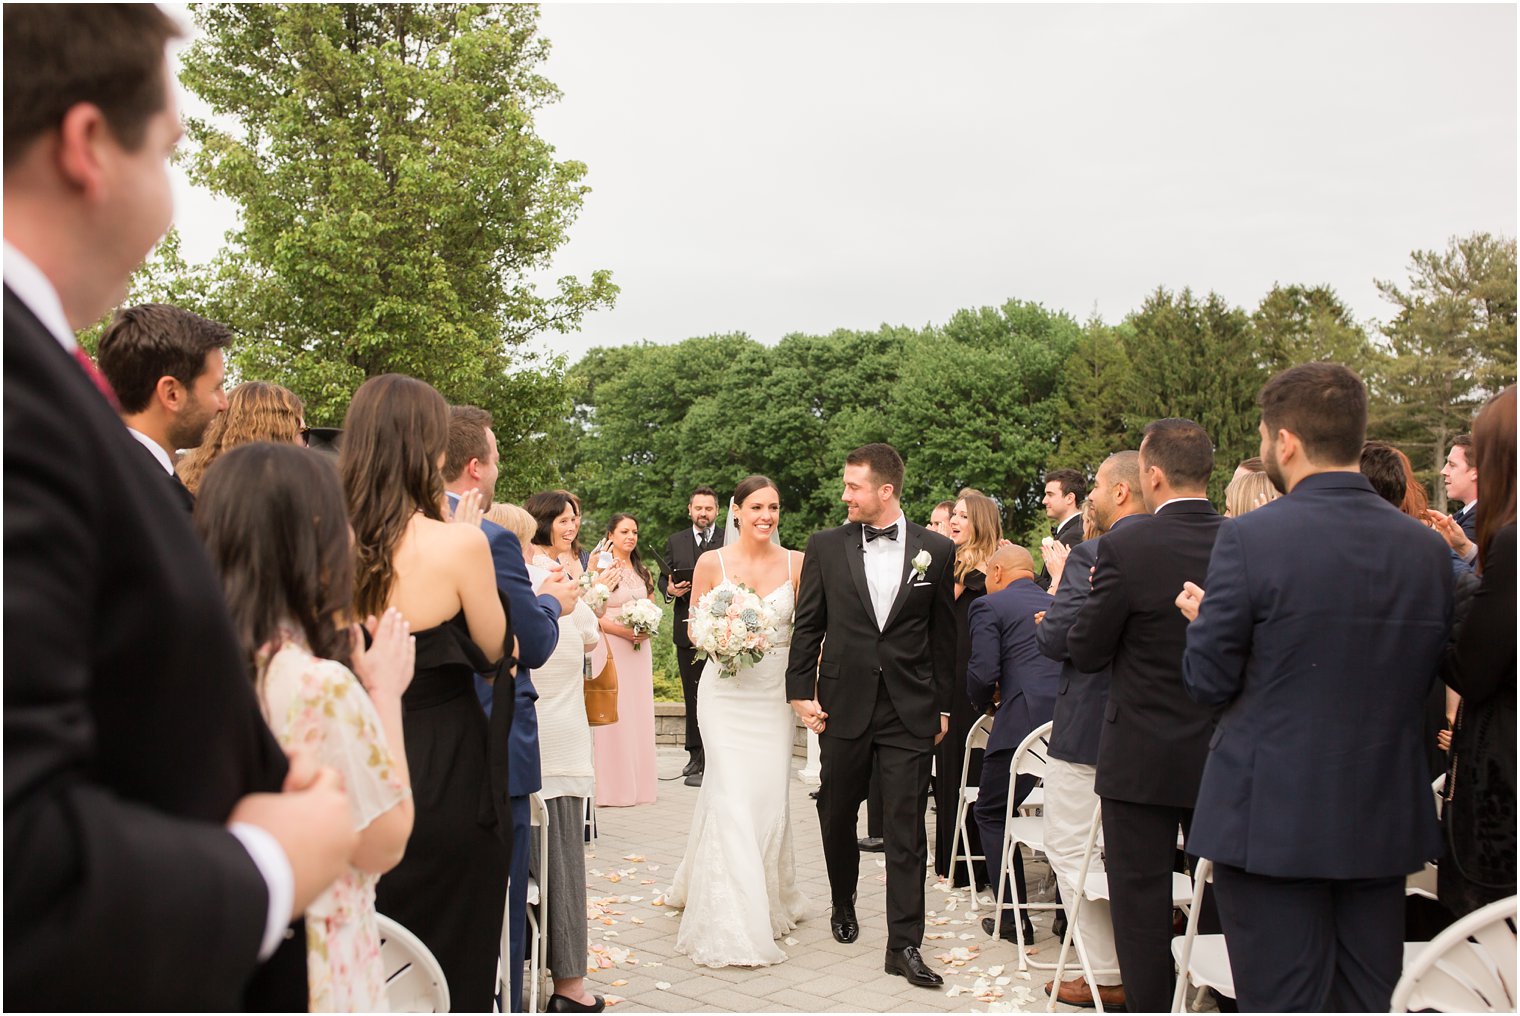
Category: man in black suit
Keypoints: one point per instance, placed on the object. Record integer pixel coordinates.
(1065, 490)
(1077, 725)
(167, 369)
(150, 860)
(681, 553)
(1151, 751)
(882, 590)
(1460, 528)
(1006, 663)
(1315, 801)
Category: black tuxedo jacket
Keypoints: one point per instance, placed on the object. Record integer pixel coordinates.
(681, 552)
(131, 724)
(177, 489)
(1071, 535)
(914, 654)
(1155, 737)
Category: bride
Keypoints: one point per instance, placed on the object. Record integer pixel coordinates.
(738, 881)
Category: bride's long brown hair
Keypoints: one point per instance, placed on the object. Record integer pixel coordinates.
(393, 438)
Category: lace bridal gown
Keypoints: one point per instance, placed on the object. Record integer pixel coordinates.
(738, 880)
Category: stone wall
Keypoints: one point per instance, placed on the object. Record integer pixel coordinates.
(670, 728)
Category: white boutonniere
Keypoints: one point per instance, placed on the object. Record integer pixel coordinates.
(921, 562)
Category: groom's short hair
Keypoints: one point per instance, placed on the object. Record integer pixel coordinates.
(885, 464)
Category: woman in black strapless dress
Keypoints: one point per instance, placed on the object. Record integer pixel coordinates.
(450, 888)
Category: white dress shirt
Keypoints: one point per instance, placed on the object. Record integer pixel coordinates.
(33, 289)
(1174, 500)
(154, 447)
(884, 564)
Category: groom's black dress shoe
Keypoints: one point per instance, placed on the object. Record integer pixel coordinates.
(842, 922)
(559, 1003)
(909, 964)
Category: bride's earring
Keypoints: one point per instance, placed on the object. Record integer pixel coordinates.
(736, 523)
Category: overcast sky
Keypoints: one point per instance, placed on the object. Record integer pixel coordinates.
(781, 168)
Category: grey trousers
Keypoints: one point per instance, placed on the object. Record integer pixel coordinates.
(566, 883)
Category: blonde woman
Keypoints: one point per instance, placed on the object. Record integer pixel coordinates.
(1247, 492)
(256, 411)
(976, 527)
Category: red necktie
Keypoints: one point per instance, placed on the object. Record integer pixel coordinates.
(93, 372)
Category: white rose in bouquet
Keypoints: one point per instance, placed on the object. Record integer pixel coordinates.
(733, 626)
(643, 616)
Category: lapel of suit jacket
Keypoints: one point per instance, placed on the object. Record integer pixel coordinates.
(856, 559)
(915, 542)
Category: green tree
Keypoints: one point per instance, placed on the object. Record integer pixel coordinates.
(395, 202)
(1452, 342)
(1299, 324)
(163, 278)
(1096, 388)
(1197, 359)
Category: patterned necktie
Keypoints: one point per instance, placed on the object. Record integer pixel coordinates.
(889, 533)
(93, 373)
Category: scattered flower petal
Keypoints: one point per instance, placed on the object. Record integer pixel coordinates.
(662, 985)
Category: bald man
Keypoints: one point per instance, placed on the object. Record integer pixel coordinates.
(1006, 663)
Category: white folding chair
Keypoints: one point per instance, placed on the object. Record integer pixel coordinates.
(1423, 882)
(1202, 960)
(1469, 967)
(1030, 758)
(1094, 886)
(538, 909)
(414, 981)
(976, 739)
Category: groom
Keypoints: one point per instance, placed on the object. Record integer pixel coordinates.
(882, 590)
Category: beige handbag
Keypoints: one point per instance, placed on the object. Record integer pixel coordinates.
(602, 692)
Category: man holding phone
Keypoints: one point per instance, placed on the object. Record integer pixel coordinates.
(681, 553)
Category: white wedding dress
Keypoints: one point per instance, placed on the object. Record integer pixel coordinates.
(738, 880)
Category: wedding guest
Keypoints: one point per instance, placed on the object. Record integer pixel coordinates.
(166, 367)
(626, 773)
(1076, 729)
(1246, 492)
(439, 575)
(939, 518)
(256, 411)
(1480, 806)
(1006, 662)
(1155, 739)
(1392, 476)
(682, 550)
(1459, 529)
(565, 752)
(470, 470)
(558, 514)
(151, 861)
(275, 524)
(1065, 489)
(1315, 803)
(975, 527)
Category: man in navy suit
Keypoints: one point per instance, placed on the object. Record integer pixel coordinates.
(1460, 528)
(472, 463)
(1078, 723)
(1155, 738)
(1006, 663)
(1315, 802)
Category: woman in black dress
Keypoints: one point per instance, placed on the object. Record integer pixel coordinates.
(1479, 814)
(450, 888)
(976, 527)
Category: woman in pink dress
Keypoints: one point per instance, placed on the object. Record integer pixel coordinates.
(625, 759)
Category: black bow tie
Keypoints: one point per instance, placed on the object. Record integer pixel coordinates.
(889, 533)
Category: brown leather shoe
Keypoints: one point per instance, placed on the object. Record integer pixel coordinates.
(1076, 992)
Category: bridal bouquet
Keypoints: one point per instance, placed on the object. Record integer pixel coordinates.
(733, 626)
(593, 593)
(643, 616)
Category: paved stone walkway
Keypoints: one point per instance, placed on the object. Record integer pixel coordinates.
(633, 934)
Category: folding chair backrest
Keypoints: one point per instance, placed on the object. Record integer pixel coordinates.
(1033, 753)
(414, 980)
(1469, 967)
(975, 740)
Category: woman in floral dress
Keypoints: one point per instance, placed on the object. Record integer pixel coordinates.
(274, 521)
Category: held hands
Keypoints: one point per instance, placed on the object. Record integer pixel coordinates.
(385, 668)
(811, 713)
(1450, 531)
(469, 509)
(1189, 600)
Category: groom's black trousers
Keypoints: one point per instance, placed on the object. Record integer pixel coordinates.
(902, 761)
